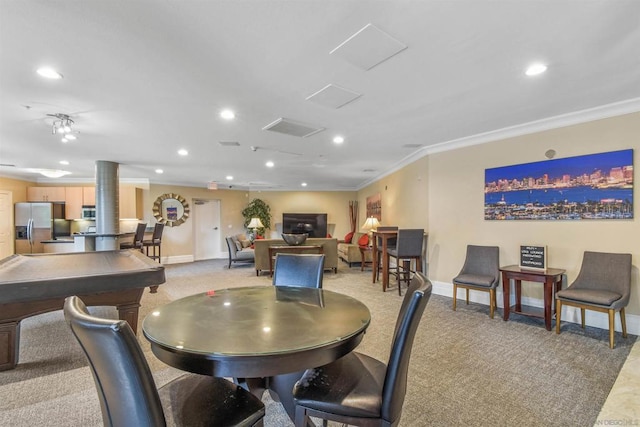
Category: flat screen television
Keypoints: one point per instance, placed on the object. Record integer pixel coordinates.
(315, 224)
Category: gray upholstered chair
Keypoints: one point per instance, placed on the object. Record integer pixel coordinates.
(137, 238)
(408, 248)
(603, 284)
(480, 272)
(127, 391)
(236, 254)
(299, 270)
(360, 390)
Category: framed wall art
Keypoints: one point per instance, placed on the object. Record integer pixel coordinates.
(374, 207)
(594, 186)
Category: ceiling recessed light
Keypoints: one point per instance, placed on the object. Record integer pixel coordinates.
(229, 178)
(183, 152)
(70, 137)
(338, 139)
(304, 184)
(64, 140)
(227, 114)
(64, 162)
(269, 164)
(159, 171)
(49, 73)
(535, 69)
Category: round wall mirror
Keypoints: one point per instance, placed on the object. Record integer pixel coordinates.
(171, 209)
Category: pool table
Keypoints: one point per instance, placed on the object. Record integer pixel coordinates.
(38, 283)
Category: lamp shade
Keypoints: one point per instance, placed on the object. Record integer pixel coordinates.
(371, 223)
(255, 223)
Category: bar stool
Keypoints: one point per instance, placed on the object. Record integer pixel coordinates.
(408, 247)
(137, 239)
(155, 242)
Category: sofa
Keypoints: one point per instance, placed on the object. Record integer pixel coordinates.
(329, 248)
(350, 252)
(239, 249)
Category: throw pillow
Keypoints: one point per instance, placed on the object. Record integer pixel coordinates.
(348, 237)
(259, 237)
(238, 245)
(364, 240)
(245, 243)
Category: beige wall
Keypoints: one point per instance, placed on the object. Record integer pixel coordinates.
(334, 203)
(18, 188)
(451, 209)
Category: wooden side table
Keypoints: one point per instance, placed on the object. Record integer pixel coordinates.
(552, 280)
(363, 255)
(300, 249)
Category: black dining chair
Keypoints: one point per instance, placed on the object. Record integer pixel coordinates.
(128, 394)
(299, 270)
(360, 390)
(137, 238)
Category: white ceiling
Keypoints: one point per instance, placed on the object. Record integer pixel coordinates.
(145, 78)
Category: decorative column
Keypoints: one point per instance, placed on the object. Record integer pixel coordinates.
(107, 207)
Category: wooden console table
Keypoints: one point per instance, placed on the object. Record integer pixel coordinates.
(552, 280)
(300, 249)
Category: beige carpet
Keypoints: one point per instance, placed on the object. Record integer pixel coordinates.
(466, 369)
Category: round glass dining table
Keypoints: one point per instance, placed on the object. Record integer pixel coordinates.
(254, 332)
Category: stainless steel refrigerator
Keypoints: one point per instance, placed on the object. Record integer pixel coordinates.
(34, 223)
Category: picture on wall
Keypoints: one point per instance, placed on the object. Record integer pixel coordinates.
(374, 207)
(594, 186)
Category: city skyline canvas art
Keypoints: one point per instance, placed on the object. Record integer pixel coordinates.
(594, 186)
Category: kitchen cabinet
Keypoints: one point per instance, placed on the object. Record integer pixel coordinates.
(89, 196)
(130, 203)
(73, 203)
(46, 194)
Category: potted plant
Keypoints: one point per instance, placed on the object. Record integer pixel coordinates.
(257, 208)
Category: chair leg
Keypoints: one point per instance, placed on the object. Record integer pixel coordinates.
(611, 327)
(623, 321)
(467, 289)
(455, 296)
(301, 417)
(582, 315)
(558, 315)
(492, 297)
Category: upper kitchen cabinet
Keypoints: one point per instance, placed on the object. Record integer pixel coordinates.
(89, 196)
(46, 194)
(130, 203)
(73, 203)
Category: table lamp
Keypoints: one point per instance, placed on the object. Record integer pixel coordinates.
(370, 225)
(254, 224)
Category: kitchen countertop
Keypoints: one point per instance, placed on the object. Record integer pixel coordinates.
(58, 241)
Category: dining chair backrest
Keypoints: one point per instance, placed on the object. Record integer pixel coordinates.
(139, 236)
(391, 242)
(299, 270)
(410, 242)
(608, 272)
(157, 232)
(411, 310)
(126, 389)
(483, 260)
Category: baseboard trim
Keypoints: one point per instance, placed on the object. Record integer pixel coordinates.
(180, 259)
(569, 314)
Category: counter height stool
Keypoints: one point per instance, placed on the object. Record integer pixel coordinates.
(155, 242)
(408, 248)
(137, 238)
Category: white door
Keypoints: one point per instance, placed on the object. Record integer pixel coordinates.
(6, 224)
(206, 223)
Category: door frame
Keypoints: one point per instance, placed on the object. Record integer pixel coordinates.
(218, 253)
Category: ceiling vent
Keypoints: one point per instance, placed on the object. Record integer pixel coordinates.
(333, 96)
(368, 47)
(229, 143)
(290, 127)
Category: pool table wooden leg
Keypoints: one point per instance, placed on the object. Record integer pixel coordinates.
(9, 344)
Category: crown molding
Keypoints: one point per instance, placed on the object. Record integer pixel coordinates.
(577, 117)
